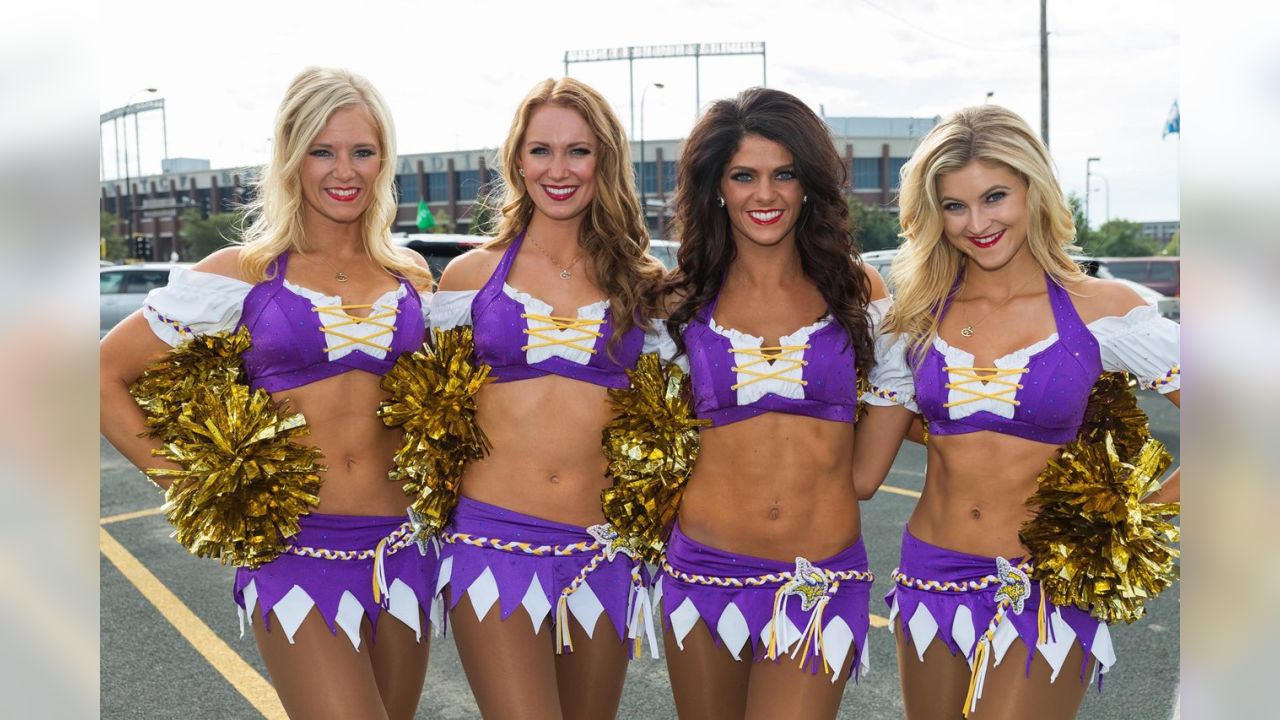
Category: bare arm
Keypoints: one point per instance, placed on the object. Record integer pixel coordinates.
(1171, 490)
(875, 445)
(123, 355)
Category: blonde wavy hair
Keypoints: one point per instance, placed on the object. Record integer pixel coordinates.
(613, 235)
(275, 214)
(924, 271)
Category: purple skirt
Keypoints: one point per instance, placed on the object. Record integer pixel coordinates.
(935, 594)
(815, 612)
(495, 555)
(340, 565)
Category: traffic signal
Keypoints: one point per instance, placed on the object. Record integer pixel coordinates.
(142, 247)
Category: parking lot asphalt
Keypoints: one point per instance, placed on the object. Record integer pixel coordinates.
(171, 645)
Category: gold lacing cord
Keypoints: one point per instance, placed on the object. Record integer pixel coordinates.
(764, 355)
(1005, 392)
(340, 311)
(581, 326)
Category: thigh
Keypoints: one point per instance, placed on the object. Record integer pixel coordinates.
(509, 667)
(400, 664)
(320, 674)
(706, 680)
(1009, 691)
(782, 688)
(935, 688)
(590, 678)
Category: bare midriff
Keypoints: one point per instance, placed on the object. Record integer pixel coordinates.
(775, 486)
(546, 458)
(342, 414)
(975, 492)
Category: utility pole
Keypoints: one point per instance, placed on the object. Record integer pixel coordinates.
(1044, 75)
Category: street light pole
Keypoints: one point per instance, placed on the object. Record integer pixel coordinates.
(644, 210)
(128, 181)
(1088, 172)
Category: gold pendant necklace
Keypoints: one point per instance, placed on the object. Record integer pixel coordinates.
(337, 274)
(565, 273)
(970, 327)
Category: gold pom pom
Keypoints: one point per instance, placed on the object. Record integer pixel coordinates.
(1113, 409)
(169, 383)
(1096, 544)
(242, 484)
(433, 397)
(650, 445)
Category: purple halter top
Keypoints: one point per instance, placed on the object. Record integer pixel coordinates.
(1048, 398)
(290, 348)
(829, 375)
(502, 333)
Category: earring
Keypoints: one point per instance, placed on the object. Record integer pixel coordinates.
(720, 198)
(520, 171)
(804, 199)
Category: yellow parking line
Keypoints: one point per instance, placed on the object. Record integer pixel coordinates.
(246, 680)
(131, 515)
(900, 491)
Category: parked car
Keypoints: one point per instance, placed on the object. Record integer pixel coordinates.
(438, 248)
(1170, 307)
(122, 288)
(1162, 274)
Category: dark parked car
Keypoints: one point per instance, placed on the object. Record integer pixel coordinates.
(438, 248)
(1162, 274)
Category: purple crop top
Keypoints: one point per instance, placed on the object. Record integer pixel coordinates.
(519, 338)
(1038, 393)
(812, 372)
(299, 335)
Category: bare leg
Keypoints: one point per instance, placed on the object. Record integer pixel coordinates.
(708, 684)
(509, 668)
(400, 664)
(934, 689)
(781, 689)
(1010, 692)
(320, 675)
(590, 678)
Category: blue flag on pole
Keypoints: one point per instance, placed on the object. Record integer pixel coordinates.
(1173, 123)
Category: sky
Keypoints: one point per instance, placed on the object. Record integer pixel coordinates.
(454, 72)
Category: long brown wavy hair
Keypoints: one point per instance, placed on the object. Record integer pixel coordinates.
(824, 230)
(613, 235)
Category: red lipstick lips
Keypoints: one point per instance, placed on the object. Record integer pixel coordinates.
(765, 217)
(986, 241)
(343, 194)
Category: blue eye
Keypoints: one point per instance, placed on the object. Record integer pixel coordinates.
(786, 175)
(741, 177)
(538, 151)
(365, 153)
(952, 207)
(581, 151)
(320, 153)
(996, 196)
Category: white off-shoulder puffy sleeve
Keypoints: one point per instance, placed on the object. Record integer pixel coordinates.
(1142, 343)
(658, 340)
(194, 303)
(450, 308)
(891, 380)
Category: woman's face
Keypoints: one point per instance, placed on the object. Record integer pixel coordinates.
(558, 157)
(341, 167)
(762, 195)
(984, 212)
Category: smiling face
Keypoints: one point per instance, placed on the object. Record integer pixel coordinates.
(341, 167)
(984, 211)
(558, 156)
(762, 195)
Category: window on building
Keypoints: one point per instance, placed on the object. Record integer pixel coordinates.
(866, 173)
(437, 186)
(668, 176)
(407, 187)
(468, 184)
(895, 171)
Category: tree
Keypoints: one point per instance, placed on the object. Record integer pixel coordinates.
(112, 242)
(200, 237)
(1173, 249)
(484, 221)
(875, 228)
(1120, 238)
(1084, 236)
(444, 223)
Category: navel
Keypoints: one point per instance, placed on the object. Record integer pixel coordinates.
(555, 479)
(976, 514)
